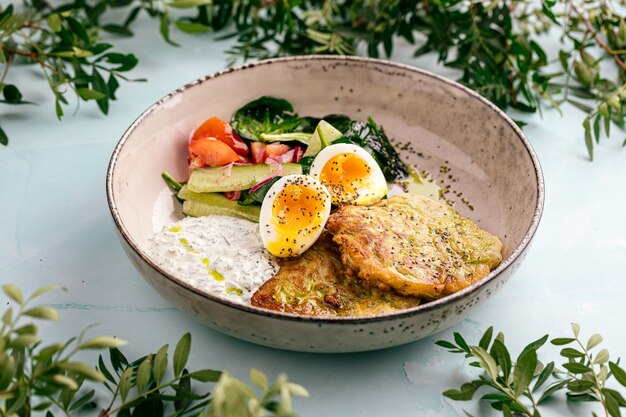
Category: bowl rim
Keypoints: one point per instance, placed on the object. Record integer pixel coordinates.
(421, 308)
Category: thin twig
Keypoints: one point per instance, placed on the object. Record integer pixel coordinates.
(596, 36)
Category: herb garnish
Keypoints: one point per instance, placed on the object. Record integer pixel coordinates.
(38, 377)
(518, 388)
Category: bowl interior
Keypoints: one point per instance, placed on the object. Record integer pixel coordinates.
(462, 141)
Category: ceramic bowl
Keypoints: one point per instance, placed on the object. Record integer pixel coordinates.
(463, 140)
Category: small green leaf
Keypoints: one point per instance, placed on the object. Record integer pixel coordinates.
(44, 290)
(502, 357)
(181, 353)
(4, 139)
(612, 404)
(12, 94)
(465, 393)
(29, 329)
(7, 317)
(551, 390)
(164, 29)
(506, 412)
(23, 341)
(461, 342)
(42, 312)
(576, 368)
(143, 374)
(102, 368)
(571, 353)
(445, 344)
(14, 293)
(102, 342)
(160, 364)
(601, 357)
(82, 369)
(205, 375)
(486, 339)
(81, 401)
(579, 385)
(186, 4)
(588, 139)
(297, 390)
(125, 383)
(562, 341)
(581, 397)
(618, 373)
(89, 94)
(45, 353)
(486, 361)
(616, 395)
(524, 370)
(7, 371)
(54, 22)
(191, 27)
(65, 381)
(259, 379)
(117, 29)
(534, 345)
(543, 376)
(594, 341)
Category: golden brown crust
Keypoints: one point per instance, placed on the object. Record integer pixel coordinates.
(315, 284)
(414, 245)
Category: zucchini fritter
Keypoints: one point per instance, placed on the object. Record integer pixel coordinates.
(413, 245)
(314, 284)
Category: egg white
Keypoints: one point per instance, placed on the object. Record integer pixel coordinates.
(304, 238)
(374, 186)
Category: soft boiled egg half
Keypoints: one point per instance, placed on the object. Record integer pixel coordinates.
(293, 215)
(350, 173)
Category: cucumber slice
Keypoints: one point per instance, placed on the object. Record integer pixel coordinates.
(235, 178)
(206, 204)
(324, 134)
(286, 137)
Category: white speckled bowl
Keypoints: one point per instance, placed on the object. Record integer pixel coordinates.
(490, 162)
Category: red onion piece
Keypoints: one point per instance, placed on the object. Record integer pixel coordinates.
(298, 153)
(262, 183)
(232, 195)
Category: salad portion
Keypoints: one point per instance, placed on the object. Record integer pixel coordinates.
(270, 165)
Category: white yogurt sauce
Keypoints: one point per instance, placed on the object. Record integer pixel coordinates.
(218, 255)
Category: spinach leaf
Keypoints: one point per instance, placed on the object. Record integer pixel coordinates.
(306, 163)
(256, 198)
(340, 122)
(373, 139)
(269, 115)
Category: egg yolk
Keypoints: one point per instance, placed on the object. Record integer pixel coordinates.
(344, 175)
(297, 215)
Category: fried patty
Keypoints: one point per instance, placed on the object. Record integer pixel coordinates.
(413, 245)
(315, 284)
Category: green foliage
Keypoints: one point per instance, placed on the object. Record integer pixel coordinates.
(265, 116)
(519, 388)
(495, 44)
(38, 377)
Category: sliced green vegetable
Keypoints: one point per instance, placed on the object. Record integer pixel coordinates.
(268, 115)
(324, 134)
(340, 121)
(206, 204)
(235, 178)
(286, 137)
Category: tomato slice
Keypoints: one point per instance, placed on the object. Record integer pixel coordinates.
(257, 149)
(274, 150)
(210, 152)
(221, 130)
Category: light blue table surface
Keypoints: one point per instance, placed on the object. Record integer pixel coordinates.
(55, 228)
